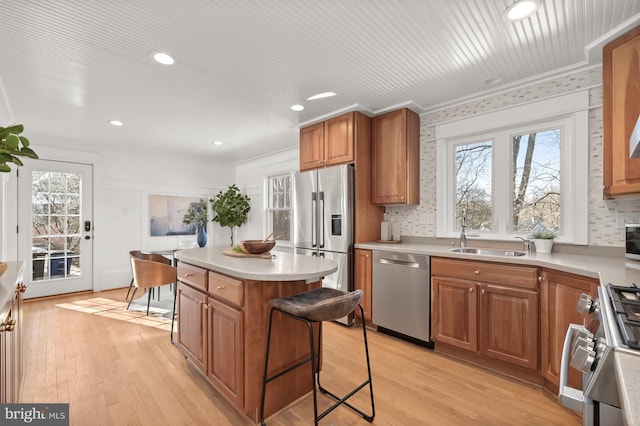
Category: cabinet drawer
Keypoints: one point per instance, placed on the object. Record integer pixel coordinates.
(488, 272)
(192, 275)
(225, 288)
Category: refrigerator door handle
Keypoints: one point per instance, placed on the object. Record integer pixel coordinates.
(314, 242)
(322, 232)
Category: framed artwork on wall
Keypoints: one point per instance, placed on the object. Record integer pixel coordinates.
(166, 213)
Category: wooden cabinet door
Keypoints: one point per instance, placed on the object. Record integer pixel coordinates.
(363, 280)
(338, 140)
(396, 158)
(225, 350)
(312, 147)
(509, 325)
(192, 329)
(559, 298)
(455, 310)
(621, 111)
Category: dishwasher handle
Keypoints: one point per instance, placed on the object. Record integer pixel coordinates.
(402, 263)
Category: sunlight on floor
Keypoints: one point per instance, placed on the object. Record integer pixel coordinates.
(118, 310)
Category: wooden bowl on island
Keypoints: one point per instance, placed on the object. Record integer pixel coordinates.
(256, 246)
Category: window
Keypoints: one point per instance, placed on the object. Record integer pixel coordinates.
(516, 177)
(279, 206)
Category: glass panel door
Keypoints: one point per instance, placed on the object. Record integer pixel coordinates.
(55, 226)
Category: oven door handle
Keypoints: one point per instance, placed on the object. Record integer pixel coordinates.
(569, 397)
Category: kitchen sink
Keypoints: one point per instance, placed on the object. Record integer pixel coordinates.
(488, 252)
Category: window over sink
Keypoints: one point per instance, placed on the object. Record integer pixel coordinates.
(516, 170)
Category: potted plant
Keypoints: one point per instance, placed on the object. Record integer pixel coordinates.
(12, 145)
(197, 214)
(543, 239)
(230, 208)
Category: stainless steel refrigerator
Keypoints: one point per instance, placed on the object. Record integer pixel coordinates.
(323, 216)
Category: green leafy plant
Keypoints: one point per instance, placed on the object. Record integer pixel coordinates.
(12, 145)
(230, 208)
(542, 234)
(196, 214)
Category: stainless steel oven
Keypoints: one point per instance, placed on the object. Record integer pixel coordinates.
(617, 310)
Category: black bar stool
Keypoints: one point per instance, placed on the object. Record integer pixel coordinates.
(316, 306)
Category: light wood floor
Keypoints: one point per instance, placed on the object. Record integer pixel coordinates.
(115, 372)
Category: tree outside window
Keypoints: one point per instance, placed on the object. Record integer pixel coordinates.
(279, 209)
(534, 174)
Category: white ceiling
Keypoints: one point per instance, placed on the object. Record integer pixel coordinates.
(67, 67)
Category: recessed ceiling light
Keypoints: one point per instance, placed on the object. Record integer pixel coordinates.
(520, 9)
(321, 95)
(117, 123)
(297, 107)
(217, 143)
(163, 58)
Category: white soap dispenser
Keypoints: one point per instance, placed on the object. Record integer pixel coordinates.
(385, 228)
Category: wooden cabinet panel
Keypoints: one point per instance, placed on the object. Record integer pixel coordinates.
(496, 273)
(363, 267)
(509, 325)
(226, 288)
(559, 298)
(193, 276)
(225, 350)
(192, 327)
(396, 158)
(11, 326)
(455, 313)
(621, 109)
(339, 140)
(312, 147)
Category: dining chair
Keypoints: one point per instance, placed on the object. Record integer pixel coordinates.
(145, 256)
(148, 274)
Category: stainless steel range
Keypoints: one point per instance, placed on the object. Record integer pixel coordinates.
(617, 310)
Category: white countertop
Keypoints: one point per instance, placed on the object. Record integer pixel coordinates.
(8, 282)
(281, 267)
(615, 270)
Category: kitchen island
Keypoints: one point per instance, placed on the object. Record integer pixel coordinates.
(222, 305)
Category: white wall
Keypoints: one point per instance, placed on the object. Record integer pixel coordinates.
(251, 176)
(122, 185)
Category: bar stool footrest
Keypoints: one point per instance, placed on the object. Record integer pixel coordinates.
(343, 400)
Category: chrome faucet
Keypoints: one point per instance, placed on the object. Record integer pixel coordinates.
(527, 244)
(463, 225)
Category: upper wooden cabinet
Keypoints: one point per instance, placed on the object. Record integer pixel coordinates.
(332, 141)
(621, 90)
(396, 158)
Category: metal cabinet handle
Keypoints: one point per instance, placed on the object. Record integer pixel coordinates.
(200, 302)
(220, 287)
(471, 290)
(483, 291)
(206, 306)
(187, 275)
(477, 272)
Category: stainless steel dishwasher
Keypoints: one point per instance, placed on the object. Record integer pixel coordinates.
(402, 294)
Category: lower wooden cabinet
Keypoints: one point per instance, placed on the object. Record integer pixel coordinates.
(474, 310)
(11, 326)
(363, 267)
(455, 313)
(192, 325)
(225, 350)
(560, 292)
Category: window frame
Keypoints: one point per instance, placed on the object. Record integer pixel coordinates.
(568, 113)
(269, 209)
